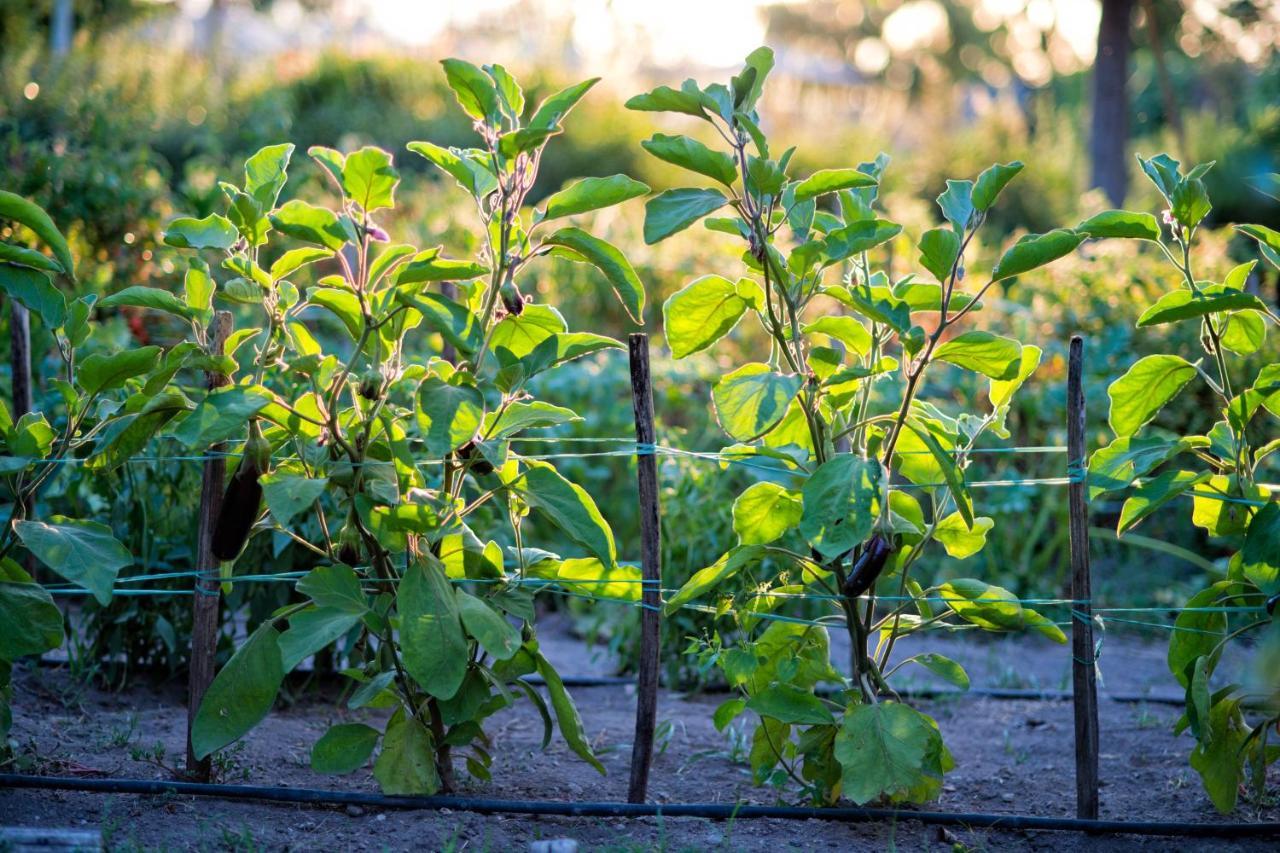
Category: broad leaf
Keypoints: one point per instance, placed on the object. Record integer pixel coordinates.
(241, 695)
(841, 500)
(892, 751)
(991, 355)
(992, 180)
(831, 180)
(1121, 223)
(33, 290)
(694, 156)
(701, 313)
(432, 642)
(592, 194)
(765, 512)
(569, 507)
(1144, 390)
(83, 552)
(606, 258)
(212, 232)
(345, 748)
(752, 400)
(448, 415)
(675, 210)
(1035, 250)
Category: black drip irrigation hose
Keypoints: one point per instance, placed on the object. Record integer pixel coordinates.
(712, 811)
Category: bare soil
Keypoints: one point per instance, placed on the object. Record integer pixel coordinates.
(1013, 757)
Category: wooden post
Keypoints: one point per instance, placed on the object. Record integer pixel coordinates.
(204, 607)
(20, 357)
(1083, 673)
(651, 570)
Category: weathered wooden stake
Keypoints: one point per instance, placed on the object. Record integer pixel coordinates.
(651, 571)
(1083, 674)
(20, 357)
(204, 622)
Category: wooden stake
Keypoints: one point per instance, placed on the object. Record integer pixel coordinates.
(651, 571)
(1083, 673)
(204, 622)
(20, 357)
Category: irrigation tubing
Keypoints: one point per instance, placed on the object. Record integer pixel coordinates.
(713, 811)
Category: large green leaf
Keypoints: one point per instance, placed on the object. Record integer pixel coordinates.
(1218, 755)
(212, 232)
(448, 415)
(765, 512)
(288, 494)
(241, 695)
(1260, 556)
(345, 748)
(33, 290)
(1036, 250)
(991, 355)
(826, 181)
(30, 623)
(694, 156)
(495, 634)
(592, 194)
(846, 330)
(959, 539)
(311, 630)
(939, 249)
(222, 414)
(369, 179)
(104, 371)
(705, 580)
(1185, 305)
(1144, 389)
(455, 322)
(18, 209)
(992, 180)
(406, 766)
(751, 400)
(606, 258)
(432, 641)
(994, 608)
(471, 175)
(336, 587)
(266, 172)
(557, 106)
(841, 500)
(788, 704)
(1155, 493)
(892, 751)
(701, 313)
(687, 99)
(675, 210)
(473, 89)
(83, 552)
(149, 297)
(569, 507)
(429, 265)
(311, 224)
(858, 237)
(1198, 631)
(567, 714)
(1121, 223)
(1122, 461)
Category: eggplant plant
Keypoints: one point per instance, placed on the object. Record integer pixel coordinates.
(99, 402)
(867, 474)
(382, 446)
(1223, 472)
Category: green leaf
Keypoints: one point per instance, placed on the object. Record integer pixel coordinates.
(344, 304)
(470, 175)
(448, 415)
(369, 179)
(432, 642)
(1190, 202)
(312, 629)
(30, 623)
(242, 693)
(592, 194)
(1268, 241)
(959, 539)
(212, 232)
(764, 512)
(704, 580)
(841, 500)
(222, 414)
(295, 259)
(675, 210)
(859, 237)
(1035, 250)
(28, 258)
(1121, 223)
(846, 330)
(701, 313)
(1245, 332)
(943, 667)
(454, 322)
(606, 258)
(889, 750)
(1198, 631)
(826, 181)
(1218, 756)
(519, 417)
(687, 99)
(335, 587)
(939, 249)
(345, 748)
(751, 400)
(994, 608)
(1163, 172)
(149, 297)
(567, 714)
(495, 634)
(1260, 556)
(406, 765)
(265, 174)
(1155, 493)
(956, 204)
(788, 704)
(693, 155)
(1144, 390)
(550, 112)
(83, 552)
(1185, 304)
(991, 355)
(992, 180)
(1118, 464)
(473, 89)
(34, 291)
(311, 224)
(18, 209)
(289, 494)
(569, 507)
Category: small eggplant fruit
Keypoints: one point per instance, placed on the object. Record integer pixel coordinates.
(867, 568)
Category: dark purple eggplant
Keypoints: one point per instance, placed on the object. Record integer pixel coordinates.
(1271, 604)
(867, 568)
(242, 499)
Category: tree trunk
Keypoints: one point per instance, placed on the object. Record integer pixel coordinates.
(61, 27)
(1109, 133)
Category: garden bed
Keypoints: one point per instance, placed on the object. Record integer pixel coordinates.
(1013, 757)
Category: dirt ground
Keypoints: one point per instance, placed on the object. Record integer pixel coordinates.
(1013, 756)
